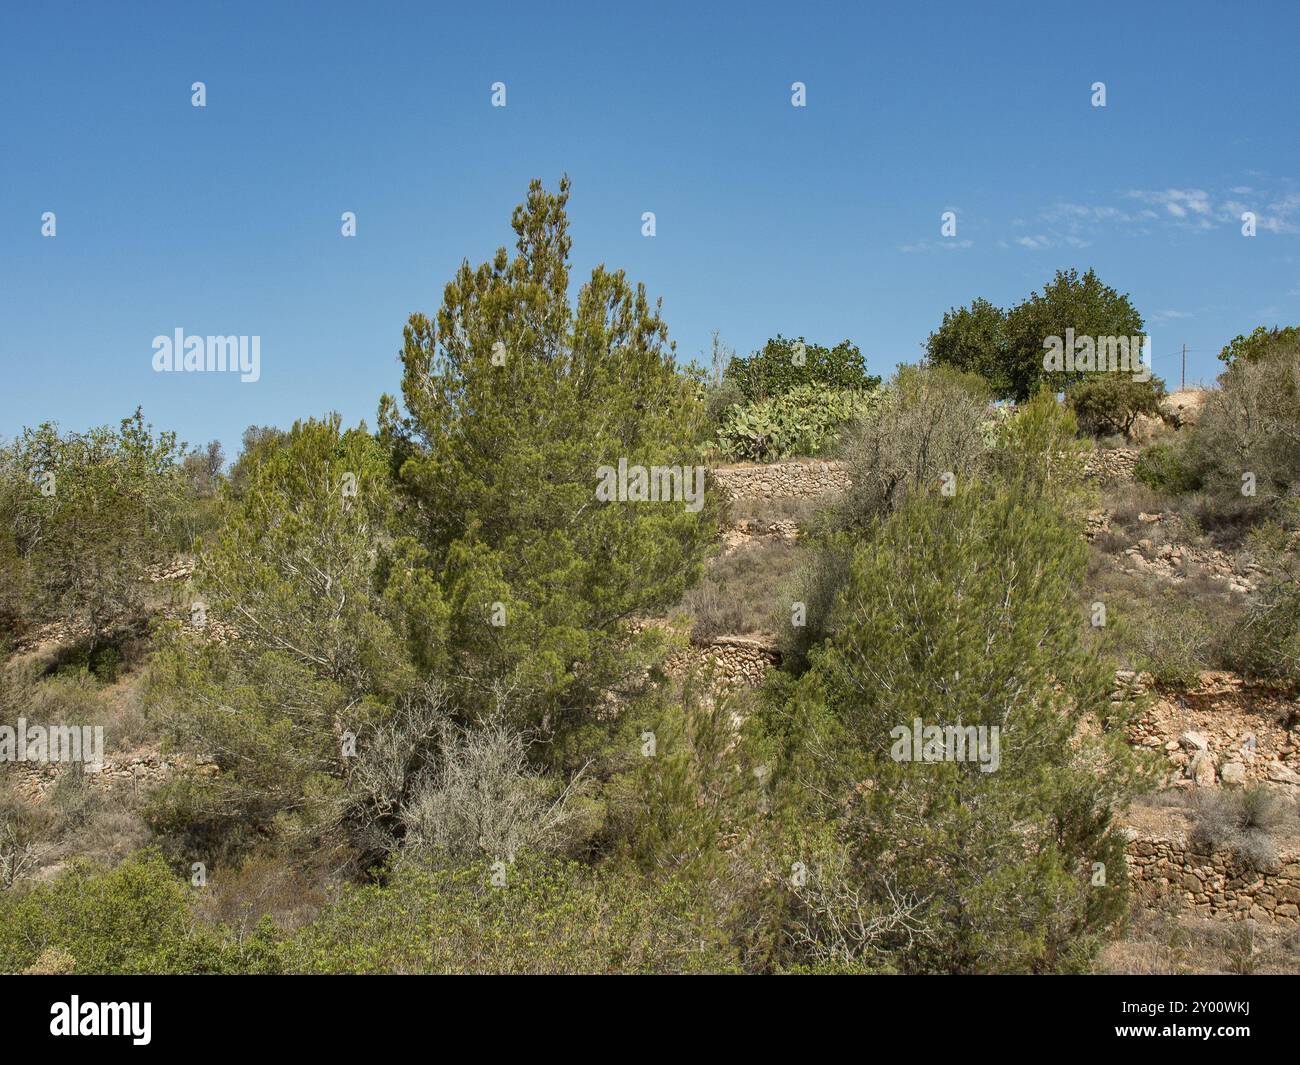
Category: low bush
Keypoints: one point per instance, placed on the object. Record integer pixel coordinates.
(803, 421)
(746, 590)
(1165, 467)
(1108, 404)
(1243, 450)
(534, 915)
(1245, 822)
(134, 919)
(928, 422)
(484, 798)
(1265, 642)
(1172, 631)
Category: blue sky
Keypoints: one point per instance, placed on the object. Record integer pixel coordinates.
(822, 221)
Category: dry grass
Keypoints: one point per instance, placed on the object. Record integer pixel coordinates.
(1170, 630)
(1165, 941)
(1248, 823)
(747, 590)
(764, 511)
(271, 885)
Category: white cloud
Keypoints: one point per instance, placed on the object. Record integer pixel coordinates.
(930, 245)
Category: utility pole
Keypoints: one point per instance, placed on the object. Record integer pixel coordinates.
(1184, 384)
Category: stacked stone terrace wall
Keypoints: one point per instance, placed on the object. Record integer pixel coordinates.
(735, 661)
(811, 478)
(801, 479)
(1215, 884)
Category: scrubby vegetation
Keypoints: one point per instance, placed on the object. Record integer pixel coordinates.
(415, 700)
(791, 398)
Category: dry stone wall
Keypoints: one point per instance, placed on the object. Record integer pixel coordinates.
(1215, 884)
(811, 478)
(141, 770)
(1111, 464)
(803, 479)
(735, 661)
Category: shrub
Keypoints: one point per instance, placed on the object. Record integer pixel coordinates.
(718, 392)
(1109, 403)
(803, 421)
(1164, 466)
(927, 423)
(134, 919)
(1243, 821)
(1164, 634)
(1248, 434)
(1265, 642)
(957, 869)
(22, 826)
(777, 369)
(534, 915)
(745, 590)
(84, 514)
(484, 799)
(818, 583)
(1171, 630)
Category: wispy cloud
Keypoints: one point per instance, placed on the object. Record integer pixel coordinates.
(1188, 205)
(950, 243)
(1145, 210)
(1038, 241)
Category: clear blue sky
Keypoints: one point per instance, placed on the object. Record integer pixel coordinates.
(822, 221)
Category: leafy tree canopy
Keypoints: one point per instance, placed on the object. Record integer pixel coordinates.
(785, 364)
(1007, 348)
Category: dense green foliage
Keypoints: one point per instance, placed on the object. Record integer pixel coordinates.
(1240, 457)
(803, 421)
(538, 917)
(135, 919)
(973, 340)
(1108, 404)
(445, 607)
(81, 517)
(951, 615)
(1261, 342)
(1007, 348)
(501, 469)
(785, 364)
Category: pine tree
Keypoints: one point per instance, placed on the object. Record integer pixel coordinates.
(514, 397)
(958, 612)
